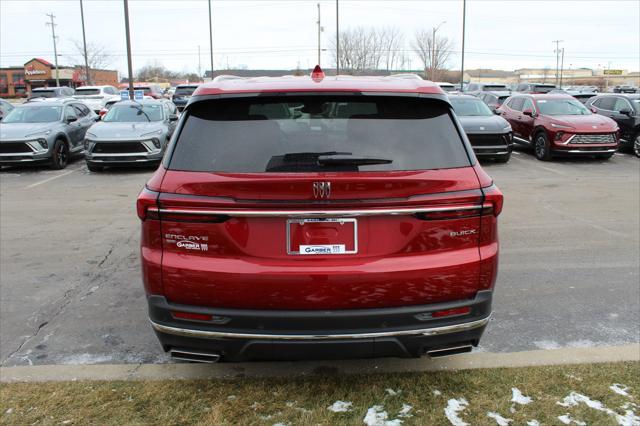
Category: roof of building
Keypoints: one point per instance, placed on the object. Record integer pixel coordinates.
(342, 83)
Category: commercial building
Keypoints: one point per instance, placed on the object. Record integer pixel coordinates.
(19, 81)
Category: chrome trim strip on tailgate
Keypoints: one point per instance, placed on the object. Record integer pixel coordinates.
(433, 331)
(319, 213)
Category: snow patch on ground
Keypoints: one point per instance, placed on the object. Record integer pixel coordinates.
(455, 407)
(405, 411)
(86, 359)
(436, 392)
(519, 398)
(501, 421)
(392, 392)
(340, 407)
(546, 344)
(376, 416)
(574, 398)
(620, 389)
(533, 422)
(567, 420)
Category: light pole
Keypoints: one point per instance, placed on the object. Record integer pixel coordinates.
(337, 38)
(319, 31)
(464, 15)
(561, 68)
(433, 54)
(84, 44)
(210, 40)
(128, 38)
(557, 52)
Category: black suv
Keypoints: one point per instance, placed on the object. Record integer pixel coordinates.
(625, 110)
(535, 88)
(625, 89)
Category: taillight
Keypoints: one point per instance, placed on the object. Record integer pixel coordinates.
(451, 312)
(147, 199)
(493, 199)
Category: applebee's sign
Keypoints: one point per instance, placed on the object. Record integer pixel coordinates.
(30, 70)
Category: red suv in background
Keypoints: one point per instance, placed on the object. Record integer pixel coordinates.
(559, 125)
(322, 217)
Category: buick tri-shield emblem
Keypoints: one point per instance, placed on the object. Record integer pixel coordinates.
(321, 189)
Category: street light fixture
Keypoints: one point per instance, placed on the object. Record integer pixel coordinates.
(433, 54)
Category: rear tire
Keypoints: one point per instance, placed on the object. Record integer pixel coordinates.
(541, 147)
(60, 155)
(636, 146)
(93, 168)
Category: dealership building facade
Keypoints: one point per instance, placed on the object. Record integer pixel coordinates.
(19, 81)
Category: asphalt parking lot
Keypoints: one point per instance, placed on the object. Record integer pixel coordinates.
(71, 293)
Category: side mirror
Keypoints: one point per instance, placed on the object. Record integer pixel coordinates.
(528, 112)
(496, 111)
(626, 111)
(71, 119)
(173, 117)
(593, 110)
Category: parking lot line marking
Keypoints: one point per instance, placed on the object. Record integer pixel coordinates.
(33, 185)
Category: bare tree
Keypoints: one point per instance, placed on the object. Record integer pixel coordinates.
(434, 52)
(367, 48)
(98, 57)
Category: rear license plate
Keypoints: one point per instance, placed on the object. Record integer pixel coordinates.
(322, 236)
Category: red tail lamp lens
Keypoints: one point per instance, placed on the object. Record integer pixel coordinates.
(451, 312)
(191, 316)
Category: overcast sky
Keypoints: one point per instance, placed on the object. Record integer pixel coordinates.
(283, 34)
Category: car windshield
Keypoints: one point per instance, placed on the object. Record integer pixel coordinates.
(146, 90)
(184, 91)
(84, 92)
(33, 114)
(493, 87)
(318, 134)
(561, 107)
(470, 107)
(43, 94)
(134, 113)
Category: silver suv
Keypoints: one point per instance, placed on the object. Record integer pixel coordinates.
(51, 130)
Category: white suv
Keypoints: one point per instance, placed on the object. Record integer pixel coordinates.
(96, 97)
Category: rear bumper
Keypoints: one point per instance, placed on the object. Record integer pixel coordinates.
(243, 335)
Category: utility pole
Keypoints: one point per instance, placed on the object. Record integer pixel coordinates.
(557, 52)
(87, 78)
(210, 40)
(337, 39)
(128, 37)
(464, 14)
(55, 48)
(561, 68)
(433, 54)
(319, 31)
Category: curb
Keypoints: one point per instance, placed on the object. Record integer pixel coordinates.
(54, 373)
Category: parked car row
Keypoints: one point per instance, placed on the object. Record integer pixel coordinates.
(54, 129)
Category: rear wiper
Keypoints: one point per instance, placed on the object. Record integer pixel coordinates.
(349, 160)
(310, 156)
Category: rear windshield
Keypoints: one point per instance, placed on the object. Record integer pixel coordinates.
(185, 91)
(543, 89)
(318, 134)
(493, 87)
(43, 94)
(83, 92)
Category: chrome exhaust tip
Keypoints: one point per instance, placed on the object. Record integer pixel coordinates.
(186, 355)
(453, 350)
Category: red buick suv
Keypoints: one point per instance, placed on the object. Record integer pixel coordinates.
(318, 217)
(557, 124)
